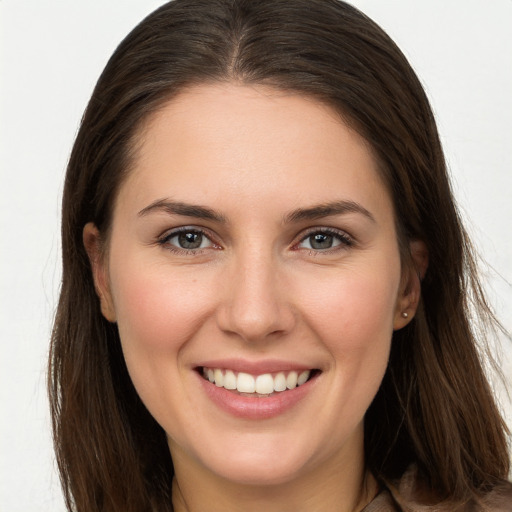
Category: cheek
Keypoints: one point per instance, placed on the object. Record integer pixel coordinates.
(158, 313)
(356, 326)
(353, 315)
(356, 309)
(158, 309)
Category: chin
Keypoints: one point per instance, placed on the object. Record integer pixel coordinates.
(256, 460)
(257, 471)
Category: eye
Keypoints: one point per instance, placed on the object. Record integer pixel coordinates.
(325, 239)
(187, 239)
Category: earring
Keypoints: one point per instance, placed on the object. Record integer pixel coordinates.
(405, 315)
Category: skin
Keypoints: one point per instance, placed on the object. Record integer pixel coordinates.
(256, 290)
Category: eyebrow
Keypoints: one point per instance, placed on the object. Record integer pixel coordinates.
(185, 209)
(327, 210)
(300, 214)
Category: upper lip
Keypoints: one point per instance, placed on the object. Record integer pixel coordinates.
(255, 367)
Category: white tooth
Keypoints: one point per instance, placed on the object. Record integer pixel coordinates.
(303, 377)
(219, 378)
(264, 384)
(229, 380)
(245, 383)
(211, 376)
(280, 382)
(291, 380)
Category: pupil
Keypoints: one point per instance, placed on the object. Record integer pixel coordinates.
(190, 240)
(321, 241)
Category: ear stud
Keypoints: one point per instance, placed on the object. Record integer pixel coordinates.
(405, 315)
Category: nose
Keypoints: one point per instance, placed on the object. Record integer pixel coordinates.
(254, 303)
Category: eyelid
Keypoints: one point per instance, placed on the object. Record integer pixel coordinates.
(346, 240)
(171, 233)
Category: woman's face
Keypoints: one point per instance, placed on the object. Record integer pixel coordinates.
(254, 244)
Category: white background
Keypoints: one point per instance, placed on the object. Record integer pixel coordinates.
(51, 55)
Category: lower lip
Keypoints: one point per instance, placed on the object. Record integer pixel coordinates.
(256, 408)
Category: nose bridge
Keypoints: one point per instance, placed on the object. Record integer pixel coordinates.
(254, 300)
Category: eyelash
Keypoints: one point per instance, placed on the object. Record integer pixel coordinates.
(164, 241)
(345, 241)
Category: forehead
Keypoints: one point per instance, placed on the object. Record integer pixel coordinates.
(254, 143)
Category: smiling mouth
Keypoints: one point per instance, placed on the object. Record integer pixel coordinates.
(259, 386)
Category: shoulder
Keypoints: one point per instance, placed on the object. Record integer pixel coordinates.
(411, 494)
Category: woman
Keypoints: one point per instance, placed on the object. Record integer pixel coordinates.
(266, 286)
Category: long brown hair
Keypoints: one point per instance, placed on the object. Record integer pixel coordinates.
(434, 407)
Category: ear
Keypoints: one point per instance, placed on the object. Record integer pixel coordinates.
(93, 245)
(410, 287)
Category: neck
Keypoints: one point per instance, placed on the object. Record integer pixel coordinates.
(330, 486)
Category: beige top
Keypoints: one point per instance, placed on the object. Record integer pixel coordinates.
(405, 495)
